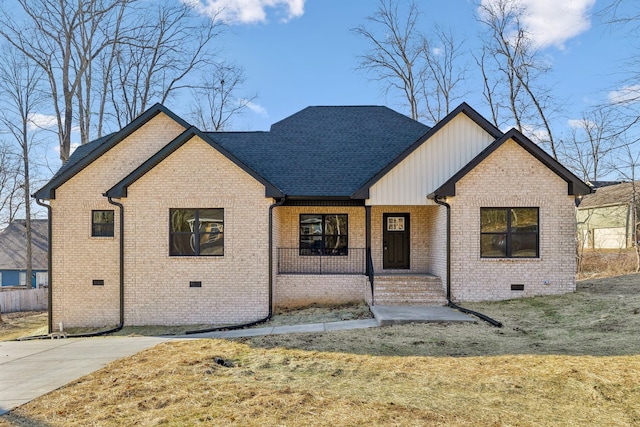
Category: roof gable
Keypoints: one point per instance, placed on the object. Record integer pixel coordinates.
(324, 151)
(575, 185)
(610, 195)
(13, 244)
(464, 108)
(86, 154)
(120, 189)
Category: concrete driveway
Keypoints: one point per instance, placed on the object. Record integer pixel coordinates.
(29, 369)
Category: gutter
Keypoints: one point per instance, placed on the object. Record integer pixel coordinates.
(450, 303)
(266, 319)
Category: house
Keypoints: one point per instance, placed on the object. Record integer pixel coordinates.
(162, 223)
(13, 253)
(605, 217)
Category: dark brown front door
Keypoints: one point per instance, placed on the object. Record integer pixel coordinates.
(395, 238)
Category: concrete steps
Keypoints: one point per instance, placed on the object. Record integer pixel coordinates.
(408, 289)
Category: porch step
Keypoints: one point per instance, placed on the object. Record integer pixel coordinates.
(408, 289)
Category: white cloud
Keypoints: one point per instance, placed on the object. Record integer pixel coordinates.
(625, 95)
(246, 11)
(553, 22)
(41, 121)
(257, 108)
(72, 148)
(535, 133)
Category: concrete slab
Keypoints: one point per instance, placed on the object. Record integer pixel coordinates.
(308, 328)
(29, 369)
(387, 315)
(351, 324)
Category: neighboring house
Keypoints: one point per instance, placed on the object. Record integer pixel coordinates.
(605, 217)
(161, 223)
(13, 253)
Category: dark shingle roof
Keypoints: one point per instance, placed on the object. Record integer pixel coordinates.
(324, 151)
(610, 195)
(13, 245)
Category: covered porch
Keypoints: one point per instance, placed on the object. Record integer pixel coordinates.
(384, 255)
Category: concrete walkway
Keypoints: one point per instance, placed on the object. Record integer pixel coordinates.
(29, 369)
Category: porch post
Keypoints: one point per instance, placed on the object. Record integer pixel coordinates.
(367, 226)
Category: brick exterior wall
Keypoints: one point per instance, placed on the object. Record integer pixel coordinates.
(296, 290)
(78, 258)
(292, 290)
(235, 287)
(420, 219)
(511, 177)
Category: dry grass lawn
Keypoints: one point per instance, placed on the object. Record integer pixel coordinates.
(22, 324)
(569, 360)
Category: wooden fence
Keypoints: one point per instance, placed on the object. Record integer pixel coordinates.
(23, 300)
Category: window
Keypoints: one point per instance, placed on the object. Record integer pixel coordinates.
(102, 223)
(196, 232)
(323, 234)
(509, 233)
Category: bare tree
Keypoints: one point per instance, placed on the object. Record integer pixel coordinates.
(592, 143)
(11, 192)
(215, 101)
(62, 38)
(626, 98)
(516, 66)
(106, 61)
(626, 165)
(443, 73)
(20, 96)
(155, 58)
(395, 55)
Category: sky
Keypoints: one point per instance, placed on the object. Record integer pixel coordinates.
(298, 53)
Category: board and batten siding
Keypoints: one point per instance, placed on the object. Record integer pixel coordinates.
(431, 164)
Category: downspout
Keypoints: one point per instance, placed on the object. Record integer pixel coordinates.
(266, 319)
(121, 324)
(450, 303)
(121, 209)
(49, 264)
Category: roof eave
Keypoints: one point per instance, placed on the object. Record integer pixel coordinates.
(575, 186)
(120, 189)
(138, 122)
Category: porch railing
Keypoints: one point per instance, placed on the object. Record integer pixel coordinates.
(291, 262)
(370, 273)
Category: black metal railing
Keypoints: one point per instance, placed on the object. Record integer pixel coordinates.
(290, 261)
(370, 272)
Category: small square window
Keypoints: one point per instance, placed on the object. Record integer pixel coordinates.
(102, 223)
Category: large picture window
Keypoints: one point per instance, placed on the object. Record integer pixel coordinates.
(196, 232)
(323, 234)
(509, 233)
(102, 223)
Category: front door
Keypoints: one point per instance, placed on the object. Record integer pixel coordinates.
(395, 238)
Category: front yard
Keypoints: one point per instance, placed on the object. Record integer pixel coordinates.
(569, 360)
